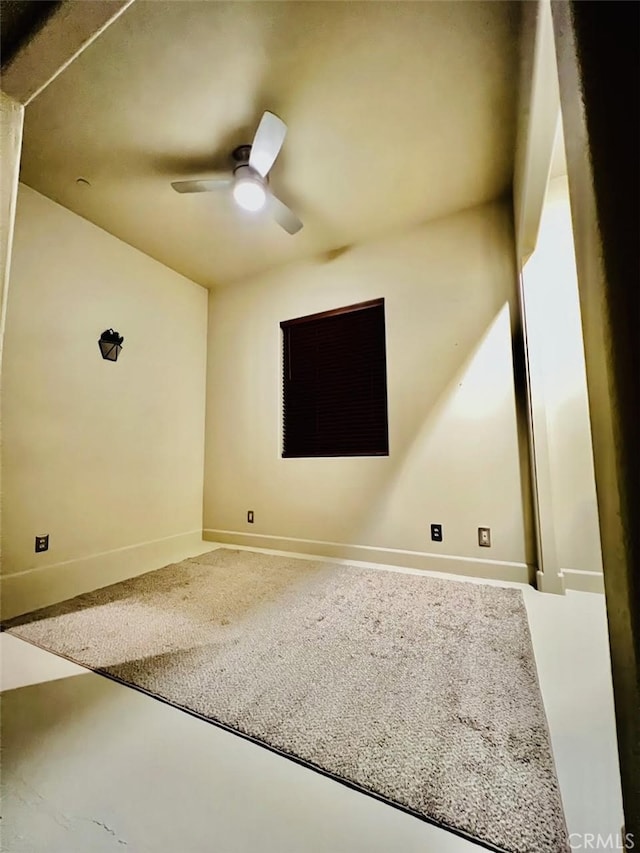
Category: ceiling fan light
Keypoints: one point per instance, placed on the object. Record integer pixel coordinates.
(249, 195)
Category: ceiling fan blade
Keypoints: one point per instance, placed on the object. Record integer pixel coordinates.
(284, 216)
(267, 143)
(203, 186)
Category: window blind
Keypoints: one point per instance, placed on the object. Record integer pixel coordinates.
(335, 383)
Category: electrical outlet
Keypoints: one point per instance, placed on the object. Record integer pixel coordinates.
(42, 543)
(436, 532)
(250, 516)
(484, 537)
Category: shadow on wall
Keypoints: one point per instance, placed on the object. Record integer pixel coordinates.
(455, 436)
(454, 385)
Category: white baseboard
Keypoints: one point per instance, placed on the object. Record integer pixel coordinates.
(550, 582)
(469, 566)
(583, 581)
(34, 588)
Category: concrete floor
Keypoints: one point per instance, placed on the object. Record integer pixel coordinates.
(91, 766)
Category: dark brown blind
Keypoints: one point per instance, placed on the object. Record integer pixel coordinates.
(335, 383)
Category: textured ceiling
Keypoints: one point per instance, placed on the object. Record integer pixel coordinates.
(398, 112)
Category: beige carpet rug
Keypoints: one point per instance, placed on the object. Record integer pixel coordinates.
(419, 691)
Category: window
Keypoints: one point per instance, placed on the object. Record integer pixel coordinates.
(334, 377)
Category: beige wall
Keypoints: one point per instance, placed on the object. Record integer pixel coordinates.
(555, 345)
(101, 456)
(449, 288)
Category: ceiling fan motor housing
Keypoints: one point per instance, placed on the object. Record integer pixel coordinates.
(242, 170)
(240, 156)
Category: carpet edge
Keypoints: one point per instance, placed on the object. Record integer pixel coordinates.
(309, 765)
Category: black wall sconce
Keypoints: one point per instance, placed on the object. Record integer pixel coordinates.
(110, 344)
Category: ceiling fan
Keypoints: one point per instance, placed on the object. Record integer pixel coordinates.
(248, 180)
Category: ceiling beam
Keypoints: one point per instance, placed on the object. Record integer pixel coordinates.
(64, 35)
